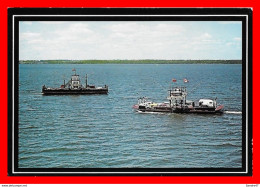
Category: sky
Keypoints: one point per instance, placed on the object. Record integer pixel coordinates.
(108, 40)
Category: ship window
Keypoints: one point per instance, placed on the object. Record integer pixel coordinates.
(75, 78)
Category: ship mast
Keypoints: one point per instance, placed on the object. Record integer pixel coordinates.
(86, 80)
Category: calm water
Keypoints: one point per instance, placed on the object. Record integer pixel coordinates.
(103, 131)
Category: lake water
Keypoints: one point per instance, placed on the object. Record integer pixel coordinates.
(103, 131)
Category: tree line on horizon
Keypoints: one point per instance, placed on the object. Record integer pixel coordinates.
(148, 61)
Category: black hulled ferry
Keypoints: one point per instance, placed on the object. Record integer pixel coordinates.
(74, 86)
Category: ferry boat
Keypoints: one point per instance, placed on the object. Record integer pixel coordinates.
(177, 103)
(73, 86)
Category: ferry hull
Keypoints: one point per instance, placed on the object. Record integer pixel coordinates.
(164, 110)
(181, 112)
(198, 110)
(85, 91)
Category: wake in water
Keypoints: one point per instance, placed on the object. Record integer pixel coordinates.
(232, 112)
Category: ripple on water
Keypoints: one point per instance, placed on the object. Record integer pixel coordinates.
(104, 132)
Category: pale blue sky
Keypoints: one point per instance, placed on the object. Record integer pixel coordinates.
(130, 40)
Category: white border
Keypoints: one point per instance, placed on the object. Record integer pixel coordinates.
(244, 172)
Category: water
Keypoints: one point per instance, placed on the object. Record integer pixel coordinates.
(103, 131)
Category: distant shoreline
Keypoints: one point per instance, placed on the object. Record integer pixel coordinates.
(130, 62)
